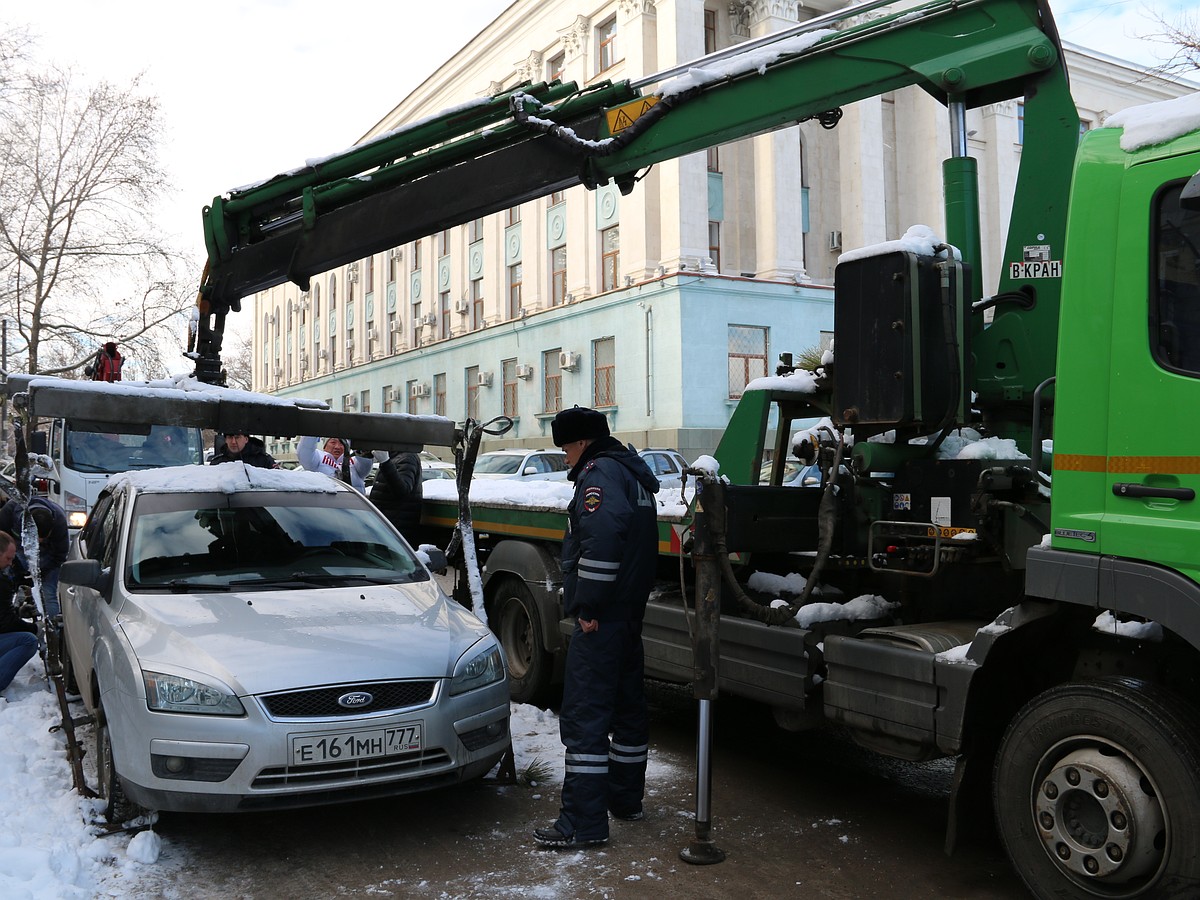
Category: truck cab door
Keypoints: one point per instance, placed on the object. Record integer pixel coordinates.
(1152, 496)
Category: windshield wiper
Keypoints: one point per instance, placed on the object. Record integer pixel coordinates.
(179, 586)
(323, 578)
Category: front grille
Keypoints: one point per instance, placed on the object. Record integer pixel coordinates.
(352, 770)
(322, 702)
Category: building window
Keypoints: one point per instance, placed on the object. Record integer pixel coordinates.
(393, 333)
(710, 31)
(474, 231)
(555, 67)
(606, 44)
(557, 197)
(386, 395)
(415, 263)
(604, 372)
(415, 323)
(610, 258)
(410, 394)
(349, 402)
(369, 275)
(514, 291)
(508, 369)
(747, 357)
(472, 375)
(552, 381)
(439, 394)
(393, 264)
(512, 216)
(713, 155)
(364, 401)
(558, 276)
(443, 243)
(476, 303)
(444, 314)
(714, 243)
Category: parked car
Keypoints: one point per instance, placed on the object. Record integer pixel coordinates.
(531, 465)
(795, 473)
(667, 465)
(246, 641)
(432, 467)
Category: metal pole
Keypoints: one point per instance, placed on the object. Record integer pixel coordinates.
(4, 399)
(710, 501)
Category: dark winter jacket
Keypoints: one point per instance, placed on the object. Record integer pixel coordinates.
(52, 552)
(397, 492)
(9, 620)
(610, 551)
(253, 454)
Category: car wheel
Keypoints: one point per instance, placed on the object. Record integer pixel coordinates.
(1097, 792)
(116, 807)
(519, 627)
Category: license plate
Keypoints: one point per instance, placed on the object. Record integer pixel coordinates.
(313, 749)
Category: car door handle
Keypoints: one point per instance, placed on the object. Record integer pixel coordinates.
(1122, 489)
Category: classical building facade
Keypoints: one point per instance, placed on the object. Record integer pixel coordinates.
(658, 306)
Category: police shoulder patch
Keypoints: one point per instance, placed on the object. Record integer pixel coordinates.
(592, 498)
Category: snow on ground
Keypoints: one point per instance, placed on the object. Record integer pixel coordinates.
(48, 851)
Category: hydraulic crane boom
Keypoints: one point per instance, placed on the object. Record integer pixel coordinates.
(530, 141)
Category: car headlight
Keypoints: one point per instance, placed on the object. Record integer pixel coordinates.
(478, 670)
(174, 693)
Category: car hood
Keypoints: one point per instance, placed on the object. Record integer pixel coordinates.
(262, 641)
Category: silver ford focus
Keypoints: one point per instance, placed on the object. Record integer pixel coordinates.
(254, 639)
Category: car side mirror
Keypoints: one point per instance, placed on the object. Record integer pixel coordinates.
(86, 573)
(529, 470)
(437, 559)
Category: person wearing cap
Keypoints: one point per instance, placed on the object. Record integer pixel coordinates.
(609, 558)
(240, 447)
(334, 459)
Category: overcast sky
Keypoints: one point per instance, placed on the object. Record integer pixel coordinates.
(250, 88)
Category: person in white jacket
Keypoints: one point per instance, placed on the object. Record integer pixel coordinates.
(334, 459)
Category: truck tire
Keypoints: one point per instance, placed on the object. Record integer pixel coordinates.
(116, 807)
(1097, 792)
(519, 627)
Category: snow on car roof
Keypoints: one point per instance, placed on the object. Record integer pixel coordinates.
(228, 478)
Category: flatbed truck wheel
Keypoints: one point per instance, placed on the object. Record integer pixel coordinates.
(1097, 792)
(519, 627)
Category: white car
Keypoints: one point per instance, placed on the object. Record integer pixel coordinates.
(522, 465)
(667, 466)
(254, 639)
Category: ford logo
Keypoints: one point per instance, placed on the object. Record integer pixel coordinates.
(355, 699)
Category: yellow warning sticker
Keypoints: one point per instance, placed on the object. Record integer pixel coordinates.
(621, 117)
(946, 532)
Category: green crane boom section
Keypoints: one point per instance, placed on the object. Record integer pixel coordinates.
(533, 140)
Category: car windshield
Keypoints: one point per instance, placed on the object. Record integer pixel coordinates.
(488, 464)
(108, 452)
(182, 542)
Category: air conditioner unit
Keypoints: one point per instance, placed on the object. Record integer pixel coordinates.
(395, 253)
(303, 359)
(372, 334)
(484, 379)
(524, 371)
(419, 390)
(351, 403)
(395, 326)
(349, 345)
(429, 319)
(568, 360)
(396, 395)
(278, 373)
(324, 354)
(352, 272)
(462, 307)
(835, 240)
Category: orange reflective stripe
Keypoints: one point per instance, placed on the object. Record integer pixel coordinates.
(1078, 462)
(1122, 465)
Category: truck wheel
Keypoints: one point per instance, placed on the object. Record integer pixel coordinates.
(116, 807)
(519, 627)
(1097, 791)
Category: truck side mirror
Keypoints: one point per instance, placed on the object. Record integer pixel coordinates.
(1189, 198)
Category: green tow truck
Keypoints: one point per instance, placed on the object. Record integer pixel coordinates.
(1040, 614)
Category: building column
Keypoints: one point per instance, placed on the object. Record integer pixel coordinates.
(778, 202)
(637, 34)
(860, 164)
(683, 182)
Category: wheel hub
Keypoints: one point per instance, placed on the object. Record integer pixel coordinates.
(1098, 818)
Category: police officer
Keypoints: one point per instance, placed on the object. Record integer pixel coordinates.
(609, 558)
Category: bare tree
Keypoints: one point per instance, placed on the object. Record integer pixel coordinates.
(239, 361)
(80, 259)
(1183, 35)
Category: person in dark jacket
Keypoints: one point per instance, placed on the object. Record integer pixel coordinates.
(17, 637)
(240, 447)
(397, 491)
(50, 522)
(609, 557)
